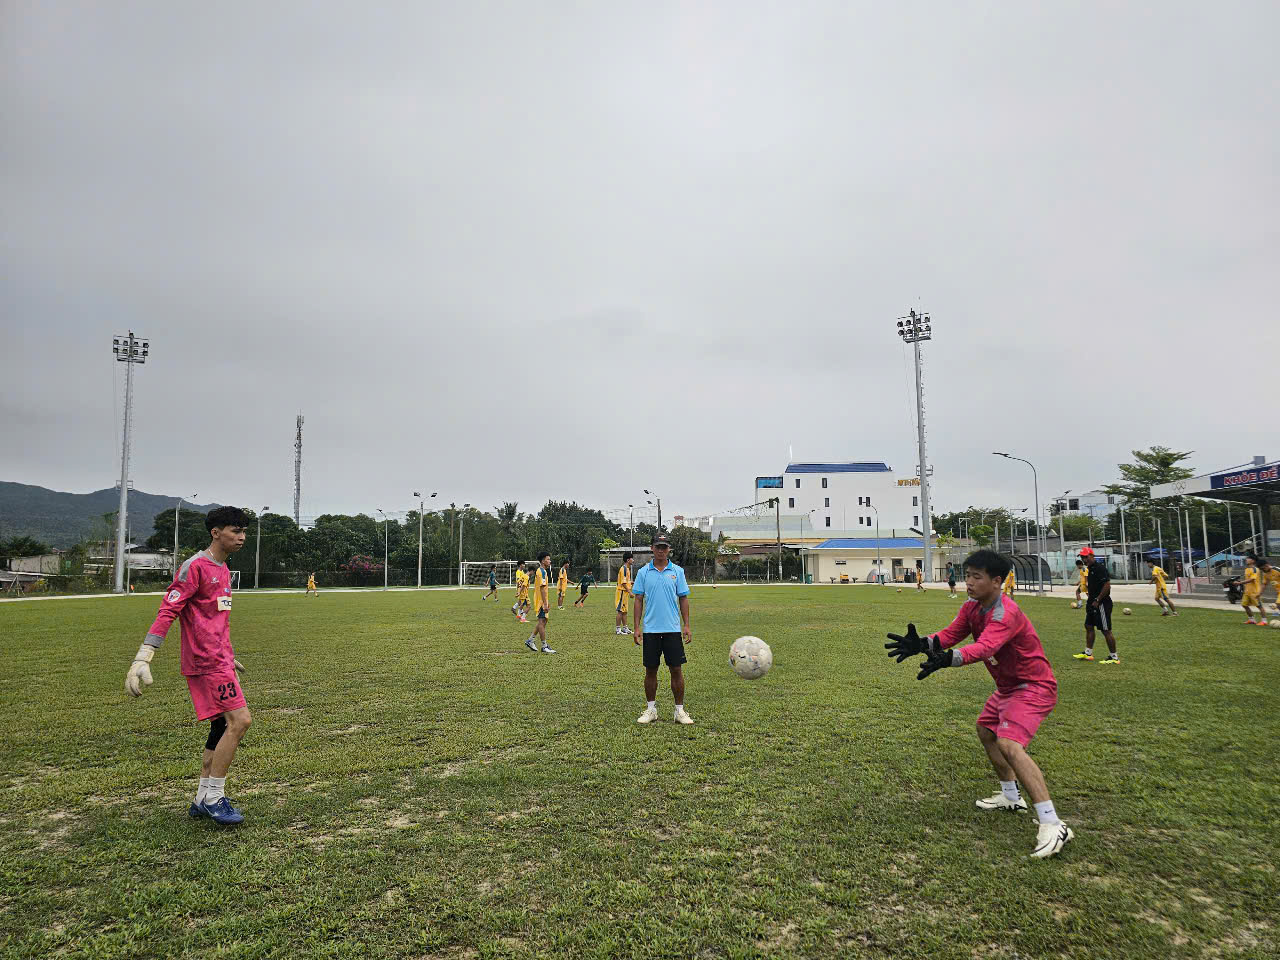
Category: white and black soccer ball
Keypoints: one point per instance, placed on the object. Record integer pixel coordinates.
(1275, 621)
(1128, 612)
(750, 657)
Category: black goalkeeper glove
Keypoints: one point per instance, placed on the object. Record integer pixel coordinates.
(935, 659)
(908, 646)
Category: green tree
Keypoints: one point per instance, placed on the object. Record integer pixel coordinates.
(1152, 466)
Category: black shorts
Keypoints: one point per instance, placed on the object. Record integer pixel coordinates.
(1101, 617)
(660, 645)
(584, 590)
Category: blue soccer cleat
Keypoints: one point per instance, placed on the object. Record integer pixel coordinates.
(222, 813)
(196, 811)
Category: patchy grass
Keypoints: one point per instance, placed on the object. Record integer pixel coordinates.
(410, 794)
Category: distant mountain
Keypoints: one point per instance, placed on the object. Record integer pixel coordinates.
(65, 519)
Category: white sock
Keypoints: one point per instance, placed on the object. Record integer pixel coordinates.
(202, 790)
(1010, 790)
(679, 708)
(214, 791)
(1045, 812)
(653, 704)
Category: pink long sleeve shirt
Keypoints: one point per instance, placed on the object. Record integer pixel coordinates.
(1005, 640)
(200, 600)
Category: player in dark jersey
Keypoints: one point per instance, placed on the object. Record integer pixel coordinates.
(1098, 608)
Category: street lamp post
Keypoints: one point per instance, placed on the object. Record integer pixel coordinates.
(422, 504)
(1035, 478)
(659, 499)
(462, 519)
(804, 569)
(1062, 533)
(257, 548)
(632, 528)
(914, 329)
(177, 510)
(879, 569)
(386, 548)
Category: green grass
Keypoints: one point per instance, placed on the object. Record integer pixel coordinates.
(418, 785)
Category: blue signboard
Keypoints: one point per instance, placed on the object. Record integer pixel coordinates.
(1245, 477)
(773, 483)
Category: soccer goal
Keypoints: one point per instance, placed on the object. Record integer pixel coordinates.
(475, 573)
(235, 579)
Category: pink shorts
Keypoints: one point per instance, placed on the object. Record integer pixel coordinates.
(215, 693)
(1017, 715)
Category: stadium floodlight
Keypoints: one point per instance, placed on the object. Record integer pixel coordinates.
(257, 548)
(915, 328)
(386, 546)
(461, 520)
(128, 350)
(422, 503)
(1035, 480)
(177, 509)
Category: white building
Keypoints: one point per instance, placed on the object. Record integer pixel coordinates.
(844, 499)
(1092, 503)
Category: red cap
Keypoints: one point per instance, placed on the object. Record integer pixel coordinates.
(1087, 552)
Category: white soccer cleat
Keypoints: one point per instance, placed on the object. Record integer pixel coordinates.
(998, 801)
(681, 716)
(546, 649)
(650, 714)
(1050, 838)
(531, 645)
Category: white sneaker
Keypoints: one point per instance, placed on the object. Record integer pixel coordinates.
(546, 649)
(650, 714)
(681, 716)
(1050, 838)
(998, 801)
(531, 645)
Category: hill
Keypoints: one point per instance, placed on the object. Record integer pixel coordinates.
(64, 519)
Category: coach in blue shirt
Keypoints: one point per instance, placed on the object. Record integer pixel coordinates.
(662, 626)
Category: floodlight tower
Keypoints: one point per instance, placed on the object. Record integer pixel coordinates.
(297, 474)
(128, 350)
(913, 329)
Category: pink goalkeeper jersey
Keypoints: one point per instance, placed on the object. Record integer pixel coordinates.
(1005, 639)
(200, 598)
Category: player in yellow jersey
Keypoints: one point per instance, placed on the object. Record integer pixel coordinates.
(1010, 583)
(562, 584)
(1252, 592)
(1158, 577)
(621, 593)
(1082, 582)
(1270, 575)
(541, 603)
(311, 585)
(522, 593)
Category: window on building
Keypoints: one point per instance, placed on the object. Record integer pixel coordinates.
(915, 521)
(868, 501)
(824, 483)
(915, 501)
(860, 503)
(828, 521)
(797, 483)
(1073, 504)
(791, 502)
(826, 501)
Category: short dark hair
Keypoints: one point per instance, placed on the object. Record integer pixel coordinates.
(493, 566)
(626, 556)
(989, 562)
(1080, 563)
(226, 517)
(541, 554)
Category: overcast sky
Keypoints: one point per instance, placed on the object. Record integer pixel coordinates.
(520, 251)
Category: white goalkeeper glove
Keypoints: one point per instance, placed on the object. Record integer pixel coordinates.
(238, 666)
(139, 674)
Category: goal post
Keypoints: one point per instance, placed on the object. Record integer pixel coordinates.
(475, 573)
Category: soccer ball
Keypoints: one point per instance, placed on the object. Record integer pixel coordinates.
(1074, 605)
(1127, 611)
(899, 589)
(750, 657)
(1275, 622)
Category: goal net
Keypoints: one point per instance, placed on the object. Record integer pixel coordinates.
(235, 579)
(475, 573)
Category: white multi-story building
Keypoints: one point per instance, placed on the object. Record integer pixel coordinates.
(1093, 503)
(819, 501)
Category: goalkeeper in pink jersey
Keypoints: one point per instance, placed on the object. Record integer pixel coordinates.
(200, 599)
(1026, 689)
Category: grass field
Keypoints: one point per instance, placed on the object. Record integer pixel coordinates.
(417, 784)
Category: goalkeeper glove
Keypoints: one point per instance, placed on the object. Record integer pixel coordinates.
(238, 666)
(139, 674)
(908, 646)
(935, 659)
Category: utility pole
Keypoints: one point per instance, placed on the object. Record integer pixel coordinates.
(453, 512)
(422, 503)
(257, 548)
(128, 350)
(777, 517)
(659, 500)
(461, 522)
(297, 475)
(913, 329)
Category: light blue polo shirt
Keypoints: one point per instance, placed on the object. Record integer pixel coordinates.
(661, 590)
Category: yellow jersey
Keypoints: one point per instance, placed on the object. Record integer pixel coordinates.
(1084, 580)
(1273, 577)
(624, 583)
(562, 582)
(1159, 576)
(539, 584)
(522, 585)
(1252, 582)
(1010, 582)
(311, 583)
